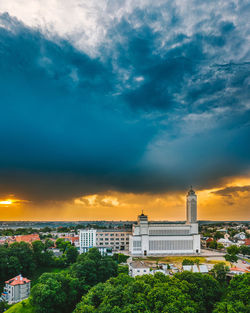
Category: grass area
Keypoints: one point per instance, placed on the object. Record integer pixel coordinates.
(21, 307)
(177, 260)
(171, 259)
(218, 261)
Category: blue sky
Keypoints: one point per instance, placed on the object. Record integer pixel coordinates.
(125, 96)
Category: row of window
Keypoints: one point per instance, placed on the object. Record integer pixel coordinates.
(112, 235)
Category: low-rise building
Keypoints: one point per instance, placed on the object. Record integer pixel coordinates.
(225, 242)
(138, 268)
(16, 289)
(196, 268)
(106, 240)
(27, 238)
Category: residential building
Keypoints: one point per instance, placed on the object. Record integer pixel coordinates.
(106, 240)
(115, 238)
(16, 289)
(87, 239)
(27, 238)
(225, 242)
(161, 238)
(138, 268)
(240, 236)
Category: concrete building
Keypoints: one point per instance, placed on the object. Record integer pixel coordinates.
(106, 240)
(117, 239)
(87, 239)
(161, 238)
(138, 268)
(16, 289)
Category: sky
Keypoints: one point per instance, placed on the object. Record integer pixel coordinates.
(109, 107)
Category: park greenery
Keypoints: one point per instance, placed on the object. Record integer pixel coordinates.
(185, 292)
(28, 259)
(91, 282)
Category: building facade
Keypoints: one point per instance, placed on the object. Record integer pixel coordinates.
(105, 240)
(161, 238)
(16, 289)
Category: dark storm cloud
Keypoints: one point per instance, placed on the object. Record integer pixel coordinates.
(160, 109)
(233, 191)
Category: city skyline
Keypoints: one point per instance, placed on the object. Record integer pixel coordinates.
(109, 108)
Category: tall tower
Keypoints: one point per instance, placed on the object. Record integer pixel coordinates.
(191, 207)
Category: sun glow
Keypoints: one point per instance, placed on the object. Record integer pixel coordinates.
(6, 202)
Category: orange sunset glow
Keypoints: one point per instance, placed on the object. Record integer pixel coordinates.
(230, 201)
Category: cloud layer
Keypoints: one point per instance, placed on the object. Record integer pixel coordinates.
(129, 96)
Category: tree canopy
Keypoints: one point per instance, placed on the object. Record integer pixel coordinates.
(187, 292)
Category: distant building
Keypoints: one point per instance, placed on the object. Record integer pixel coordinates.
(27, 238)
(237, 271)
(87, 239)
(105, 240)
(152, 238)
(196, 268)
(74, 240)
(16, 289)
(247, 242)
(225, 242)
(240, 236)
(138, 268)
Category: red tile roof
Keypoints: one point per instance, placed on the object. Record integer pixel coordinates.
(27, 238)
(247, 242)
(237, 269)
(18, 280)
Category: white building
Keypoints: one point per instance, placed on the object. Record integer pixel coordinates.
(16, 289)
(106, 240)
(87, 239)
(225, 242)
(138, 268)
(161, 238)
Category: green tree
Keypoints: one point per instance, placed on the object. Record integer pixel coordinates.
(48, 243)
(237, 298)
(56, 292)
(219, 272)
(233, 249)
(232, 258)
(62, 244)
(245, 250)
(212, 244)
(71, 254)
(3, 306)
(92, 267)
(187, 262)
(218, 235)
(219, 246)
(186, 292)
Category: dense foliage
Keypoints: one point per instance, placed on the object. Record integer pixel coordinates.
(59, 292)
(25, 258)
(185, 292)
(237, 299)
